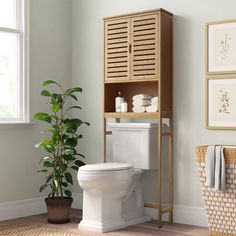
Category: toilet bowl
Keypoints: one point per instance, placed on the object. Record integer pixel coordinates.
(112, 192)
(112, 196)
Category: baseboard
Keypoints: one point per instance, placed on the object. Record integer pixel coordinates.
(29, 207)
(22, 208)
(182, 214)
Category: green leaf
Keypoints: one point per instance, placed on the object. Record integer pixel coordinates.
(46, 93)
(75, 168)
(46, 158)
(63, 167)
(47, 82)
(64, 184)
(73, 96)
(47, 145)
(43, 117)
(48, 179)
(68, 193)
(71, 125)
(73, 90)
(68, 157)
(79, 163)
(79, 154)
(77, 107)
(56, 183)
(56, 107)
(68, 178)
(43, 187)
(71, 142)
(70, 151)
(47, 164)
(42, 171)
(56, 98)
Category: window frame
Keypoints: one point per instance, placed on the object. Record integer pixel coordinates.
(22, 29)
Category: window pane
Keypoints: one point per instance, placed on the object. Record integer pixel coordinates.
(9, 76)
(8, 13)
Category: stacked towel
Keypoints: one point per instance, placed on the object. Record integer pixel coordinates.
(140, 102)
(215, 168)
(152, 109)
(154, 105)
(154, 101)
(142, 96)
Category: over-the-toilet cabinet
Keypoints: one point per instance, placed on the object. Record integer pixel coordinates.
(138, 59)
(132, 46)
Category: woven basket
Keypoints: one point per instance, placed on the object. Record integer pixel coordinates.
(220, 207)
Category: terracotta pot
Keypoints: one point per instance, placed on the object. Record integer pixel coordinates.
(59, 209)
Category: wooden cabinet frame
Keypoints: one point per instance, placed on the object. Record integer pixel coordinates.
(159, 83)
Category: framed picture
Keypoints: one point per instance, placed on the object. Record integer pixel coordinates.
(221, 102)
(221, 47)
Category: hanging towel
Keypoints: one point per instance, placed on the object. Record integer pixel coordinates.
(141, 102)
(154, 99)
(152, 109)
(142, 96)
(215, 168)
(139, 109)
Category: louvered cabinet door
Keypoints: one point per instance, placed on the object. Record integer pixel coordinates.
(117, 56)
(145, 44)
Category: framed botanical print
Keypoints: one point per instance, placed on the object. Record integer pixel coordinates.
(221, 102)
(221, 47)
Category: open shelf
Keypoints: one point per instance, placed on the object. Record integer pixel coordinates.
(128, 90)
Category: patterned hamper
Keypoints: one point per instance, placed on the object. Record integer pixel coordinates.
(220, 207)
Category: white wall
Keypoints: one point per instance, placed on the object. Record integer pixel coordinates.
(50, 59)
(189, 87)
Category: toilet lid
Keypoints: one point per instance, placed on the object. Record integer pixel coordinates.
(106, 167)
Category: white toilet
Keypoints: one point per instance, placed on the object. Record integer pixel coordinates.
(112, 192)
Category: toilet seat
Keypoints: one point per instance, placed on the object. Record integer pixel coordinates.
(105, 167)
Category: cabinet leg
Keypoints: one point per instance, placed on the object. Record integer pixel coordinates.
(170, 171)
(159, 174)
(104, 140)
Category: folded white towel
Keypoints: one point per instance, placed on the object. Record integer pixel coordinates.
(139, 109)
(152, 109)
(154, 103)
(141, 102)
(142, 96)
(215, 168)
(154, 99)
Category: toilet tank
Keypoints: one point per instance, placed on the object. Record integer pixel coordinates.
(135, 143)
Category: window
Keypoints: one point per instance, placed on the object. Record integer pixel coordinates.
(14, 51)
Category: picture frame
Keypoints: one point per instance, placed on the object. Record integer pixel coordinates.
(221, 102)
(221, 47)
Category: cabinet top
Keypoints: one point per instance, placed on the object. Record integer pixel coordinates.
(139, 12)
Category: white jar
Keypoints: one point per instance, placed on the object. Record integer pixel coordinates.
(124, 106)
(119, 100)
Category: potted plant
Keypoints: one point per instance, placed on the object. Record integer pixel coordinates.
(62, 155)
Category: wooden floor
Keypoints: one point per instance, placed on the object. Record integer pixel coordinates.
(149, 228)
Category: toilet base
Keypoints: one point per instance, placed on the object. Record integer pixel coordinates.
(106, 227)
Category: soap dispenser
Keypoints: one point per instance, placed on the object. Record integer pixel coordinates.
(119, 100)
